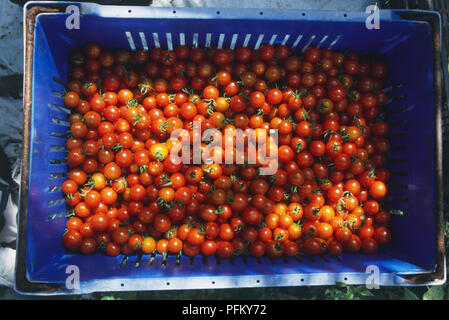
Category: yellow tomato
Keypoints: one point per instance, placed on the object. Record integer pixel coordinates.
(158, 151)
(99, 181)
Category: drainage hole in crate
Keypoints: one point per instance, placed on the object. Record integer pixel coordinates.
(399, 123)
(399, 85)
(59, 108)
(257, 281)
(345, 15)
(311, 258)
(346, 279)
(396, 199)
(174, 11)
(398, 148)
(404, 160)
(60, 122)
(55, 202)
(57, 94)
(58, 148)
(218, 12)
(122, 284)
(399, 174)
(302, 279)
(397, 136)
(303, 14)
(168, 283)
(153, 256)
(129, 11)
(58, 135)
(213, 282)
(261, 13)
(54, 188)
(58, 161)
(54, 216)
(399, 110)
(399, 186)
(58, 81)
(403, 96)
(58, 175)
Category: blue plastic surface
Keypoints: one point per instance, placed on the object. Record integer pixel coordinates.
(406, 46)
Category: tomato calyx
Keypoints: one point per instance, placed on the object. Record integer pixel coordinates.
(168, 184)
(219, 210)
(102, 245)
(137, 118)
(69, 196)
(163, 127)
(70, 214)
(229, 198)
(171, 232)
(328, 132)
(144, 87)
(164, 204)
(132, 103)
(261, 224)
(292, 121)
(211, 106)
(117, 147)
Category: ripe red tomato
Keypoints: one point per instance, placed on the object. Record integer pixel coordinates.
(134, 114)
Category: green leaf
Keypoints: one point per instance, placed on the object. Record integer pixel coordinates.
(409, 295)
(434, 293)
(110, 298)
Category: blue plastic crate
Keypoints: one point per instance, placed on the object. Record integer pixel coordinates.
(404, 40)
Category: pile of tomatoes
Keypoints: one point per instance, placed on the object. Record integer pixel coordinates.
(127, 195)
